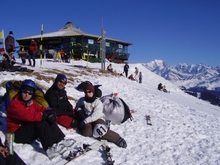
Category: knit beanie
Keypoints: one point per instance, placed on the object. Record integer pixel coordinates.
(61, 77)
(89, 87)
(10, 32)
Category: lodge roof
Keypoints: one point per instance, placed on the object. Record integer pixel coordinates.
(69, 30)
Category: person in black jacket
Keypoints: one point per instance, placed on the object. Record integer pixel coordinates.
(56, 96)
(126, 67)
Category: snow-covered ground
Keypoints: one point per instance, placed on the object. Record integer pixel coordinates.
(185, 130)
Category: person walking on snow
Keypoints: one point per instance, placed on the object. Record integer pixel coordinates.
(140, 77)
(32, 52)
(136, 74)
(126, 68)
(92, 122)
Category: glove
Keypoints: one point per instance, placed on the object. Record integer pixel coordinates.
(70, 108)
(74, 123)
(81, 115)
(81, 124)
(50, 116)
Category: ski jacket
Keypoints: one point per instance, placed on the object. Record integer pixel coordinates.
(58, 100)
(20, 112)
(160, 86)
(62, 53)
(33, 47)
(93, 111)
(9, 43)
(109, 68)
(131, 78)
(136, 71)
(126, 67)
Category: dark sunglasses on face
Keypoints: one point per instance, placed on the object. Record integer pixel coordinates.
(87, 92)
(26, 92)
(62, 82)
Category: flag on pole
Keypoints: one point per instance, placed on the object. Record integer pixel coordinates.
(2, 37)
(1, 34)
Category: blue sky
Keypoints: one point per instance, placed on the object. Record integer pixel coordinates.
(176, 31)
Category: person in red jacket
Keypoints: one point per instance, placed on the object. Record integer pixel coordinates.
(32, 52)
(29, 121)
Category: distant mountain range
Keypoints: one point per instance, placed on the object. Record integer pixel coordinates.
(199, 80)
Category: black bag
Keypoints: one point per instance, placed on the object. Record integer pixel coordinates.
(127, 114)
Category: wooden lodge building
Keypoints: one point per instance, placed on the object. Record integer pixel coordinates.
(78, 44)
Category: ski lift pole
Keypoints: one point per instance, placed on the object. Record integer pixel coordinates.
(72, 51)
(87, 59)
(103, 43)
(41, 45)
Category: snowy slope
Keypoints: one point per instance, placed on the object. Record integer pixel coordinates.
(185, 130)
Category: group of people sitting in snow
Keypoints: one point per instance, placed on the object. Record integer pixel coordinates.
(137, 76)
(28, 120)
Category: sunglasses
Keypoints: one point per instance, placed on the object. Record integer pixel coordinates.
(62, 82)
(87, 92)
(26, 92)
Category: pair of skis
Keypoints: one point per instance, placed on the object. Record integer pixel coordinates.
(85, 148)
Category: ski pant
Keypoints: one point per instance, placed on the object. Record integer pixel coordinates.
(1, 66)
(67, 121)
(47, 133)
(6, 65)
(31, 56)
(11, 160)
(126, 73)
(111, 136)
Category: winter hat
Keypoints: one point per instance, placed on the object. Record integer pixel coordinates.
(89, 87)
(61, 77)
(10, 32)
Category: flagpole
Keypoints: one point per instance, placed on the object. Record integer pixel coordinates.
(3, 36)
(72, 55)
(103, 47)
(41, 44)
